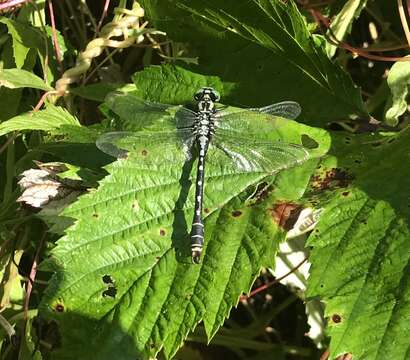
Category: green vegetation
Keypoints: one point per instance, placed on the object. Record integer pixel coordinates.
(95, 253)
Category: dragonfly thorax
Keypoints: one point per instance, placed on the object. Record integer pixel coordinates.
(205, 124)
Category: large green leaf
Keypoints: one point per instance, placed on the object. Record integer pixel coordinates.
(125, 286)
(52, 119)
(264, 48)
(361, 249)
(19, 78)
(342, 23)
(25, 37)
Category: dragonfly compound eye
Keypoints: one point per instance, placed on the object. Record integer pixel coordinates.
(215, 95)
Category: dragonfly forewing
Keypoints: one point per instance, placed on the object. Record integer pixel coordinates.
(137, 114)
(148, 147)
(286, 109)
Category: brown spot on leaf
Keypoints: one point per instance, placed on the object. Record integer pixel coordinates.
(59, 308)
(285, 214)
(336, 318)
(206, 211)
(144, 152)
(345, 193)
(332, 179)
(236, 213)
(162, 232)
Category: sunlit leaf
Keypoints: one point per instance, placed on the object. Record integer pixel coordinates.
(125, 267)
(361, 250)
(18, 78)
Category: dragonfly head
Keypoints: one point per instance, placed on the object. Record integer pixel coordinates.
(207, 94)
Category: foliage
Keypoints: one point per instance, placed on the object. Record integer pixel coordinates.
(103, 270)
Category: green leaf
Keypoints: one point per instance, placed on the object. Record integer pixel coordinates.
(124, 267)
(265, 49)
(98, 92)
(176, 83)
(399, 82)
(24, 37)
(342, 23)
(9, 99)
(54, 119)
(18, 78)
(361, 249)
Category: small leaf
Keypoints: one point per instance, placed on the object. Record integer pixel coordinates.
(18, 78)
(24, 37)
(399, 82)
(342, 23)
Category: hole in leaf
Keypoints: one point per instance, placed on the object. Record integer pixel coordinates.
(107, 279)
(358, 161)
(111, 292)
(345, 193)
(308, 142)
(95, 215)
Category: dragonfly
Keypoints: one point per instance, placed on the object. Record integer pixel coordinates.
(210, 127)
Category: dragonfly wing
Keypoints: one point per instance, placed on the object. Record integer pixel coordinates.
(151, 147)
(285, 109)
(250, 155)
(139, 114)
(263, 119)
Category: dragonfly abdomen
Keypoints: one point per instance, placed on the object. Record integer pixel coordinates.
(197, 231)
